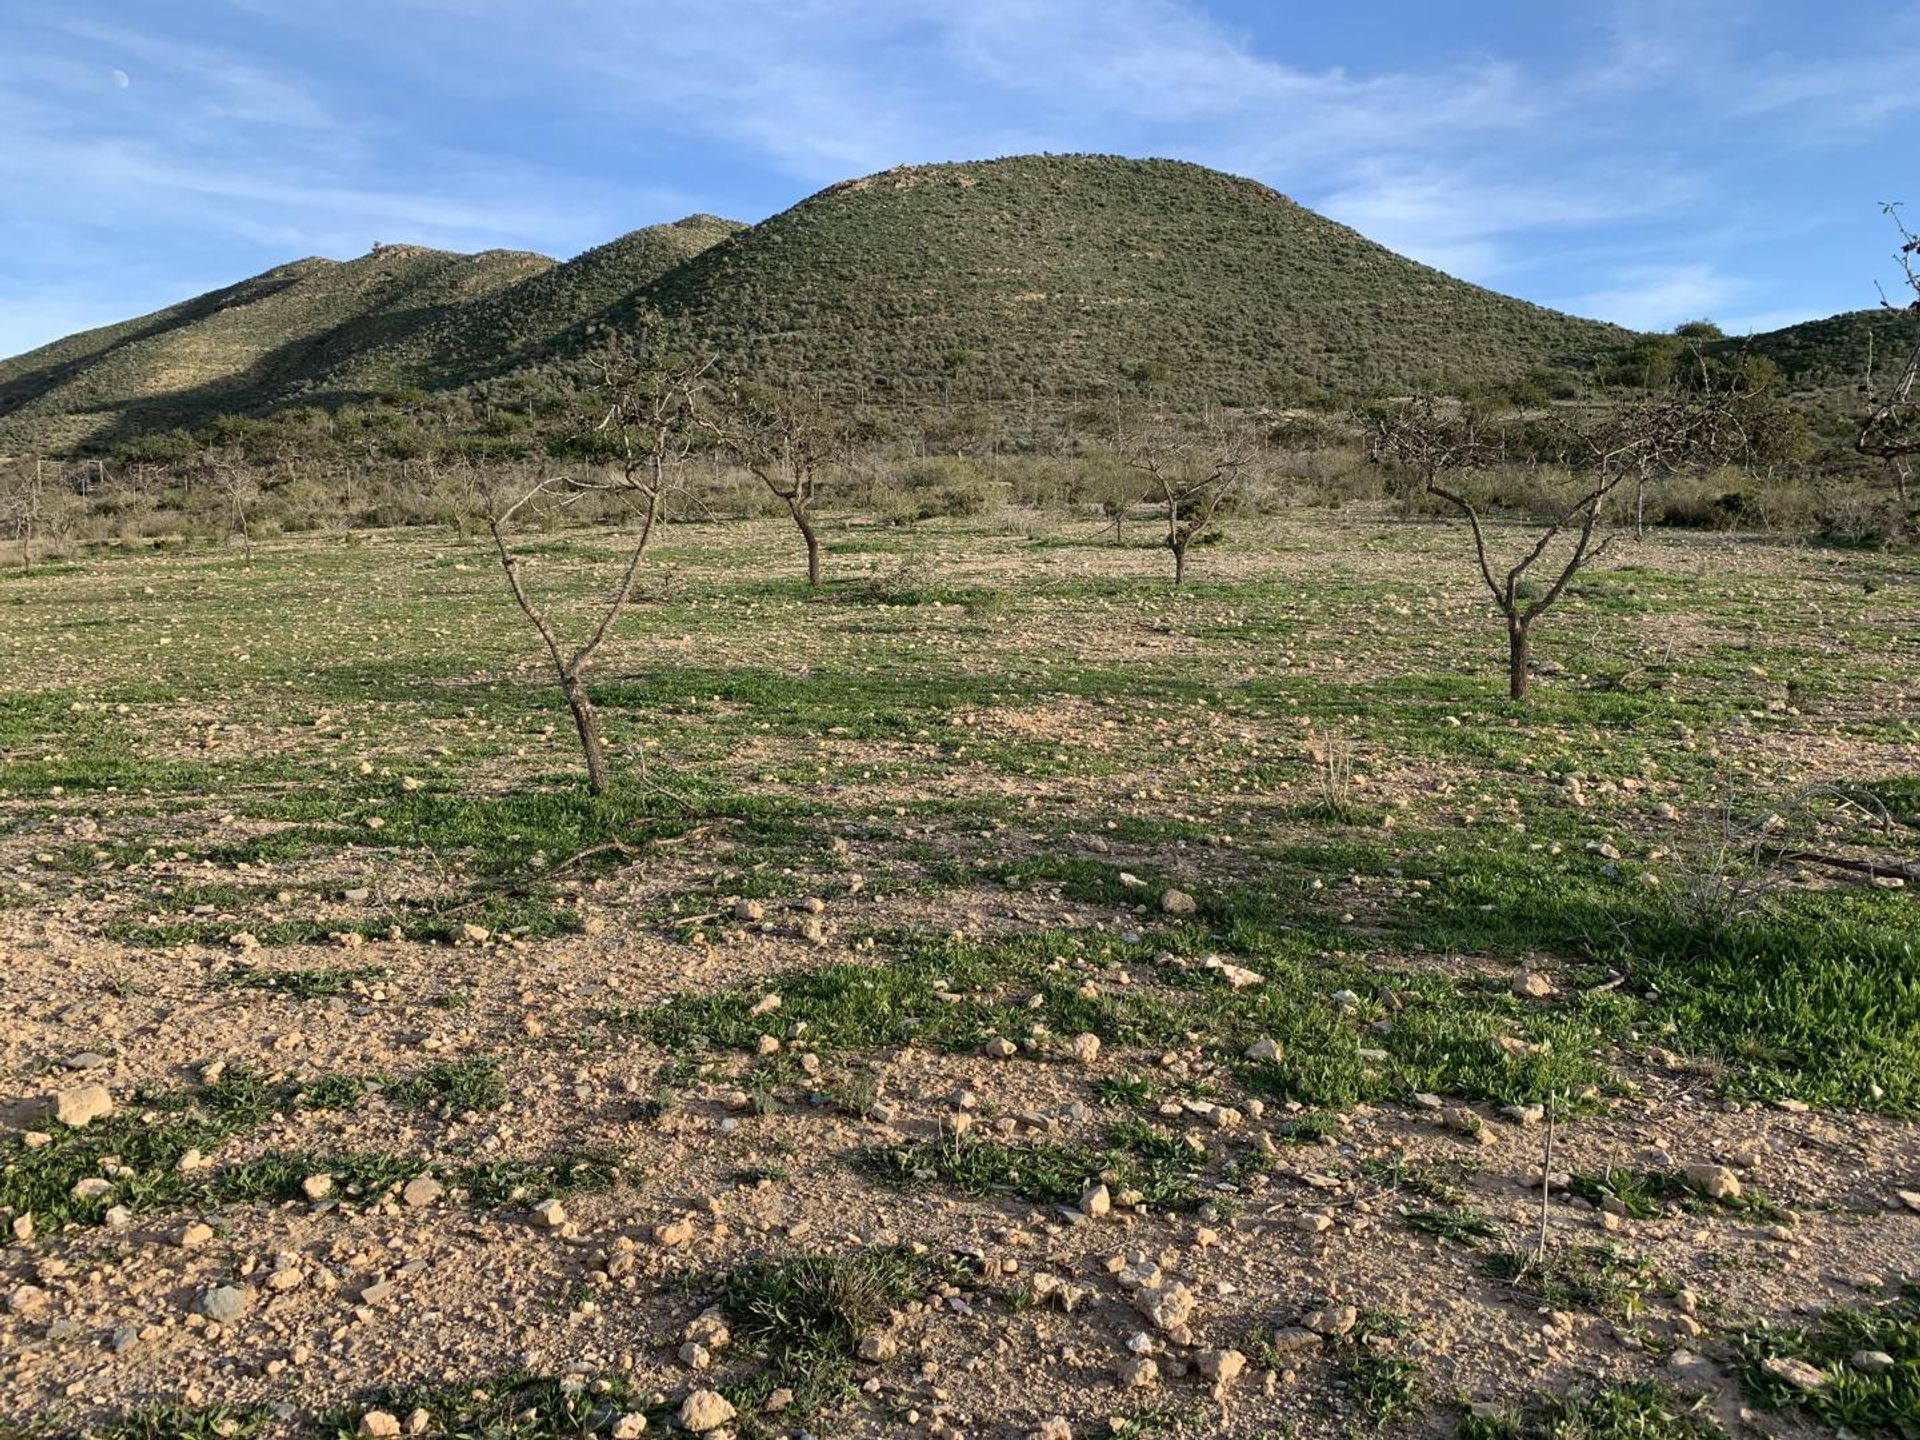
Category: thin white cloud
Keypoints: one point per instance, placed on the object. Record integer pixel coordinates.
(1512, 169)
(1660, 297)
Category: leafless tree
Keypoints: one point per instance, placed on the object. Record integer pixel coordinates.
(236, 481)
(1190, 469)
(647, 417)
(786, 436)
(1891, 430)
(23, 506)
(1635, 441)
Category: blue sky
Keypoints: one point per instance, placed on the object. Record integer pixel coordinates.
(1642, 162)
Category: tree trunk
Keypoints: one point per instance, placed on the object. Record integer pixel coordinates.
(1519, 645)
(1179, 548)
(588, 724)
(813, 543)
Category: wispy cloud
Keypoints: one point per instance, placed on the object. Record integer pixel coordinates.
(1630, 160)
(1660, 297)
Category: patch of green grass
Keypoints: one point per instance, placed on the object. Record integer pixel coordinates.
(809, 1314)
(1581, 1277)
(1128, 1090)
(315, 984)
(1462, 1224)
(1427, 1181)
(1383, 1386)
(516, 1406)
(332, 1092)
(1648, 1194)
(1138, 1157)
(1630, 1410)
(457, 1087)
(1863, 1402)
(145, 1148)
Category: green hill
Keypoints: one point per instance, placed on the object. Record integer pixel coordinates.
(243, 349)
(322, 332)
(1832, 353)
(1036, 277)
(1066, 274)
(520, 322)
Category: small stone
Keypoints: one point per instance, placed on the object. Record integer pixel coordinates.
(1223, 1367)
(1096, 1201)
(28, 1300)
(225, 1304)
(475, 934)
(1333, 1320)
(780, 1399)
(1085, 1048)
(1534, 987)
(1796, 1373)
(379, 1423)
(193, 1235)
(317, 1187)
(1909, 1198)
(81, 1105)
(1314, 1224)
(630, 1426)
(22, 1227)
(1716, 1182)
(1168, 1306)
(1289, 1338)
(91, 1187)
(695, 1356)
(878, 1349)
(673, 1233)
(1054, 1427)
(1178, 902)
(1000, 1048)
(1265, 1048)
(1871, 1362)
(749, 910)
(422, 1190)
(1524, 1114)
(550, 1214)
(705, 1410)
(1138, 1373)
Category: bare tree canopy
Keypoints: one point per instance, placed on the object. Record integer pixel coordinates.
(787, 436)
(1190, 468)
(646, 415)
(1636, 442)
(1891, 430)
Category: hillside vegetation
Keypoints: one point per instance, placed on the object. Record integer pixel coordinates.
(324, 332)
(1075, 275)
(244, 349)
(1055, 276)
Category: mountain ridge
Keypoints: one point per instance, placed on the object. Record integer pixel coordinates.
(1072, 276)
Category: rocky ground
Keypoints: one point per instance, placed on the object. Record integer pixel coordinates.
(1028, 1058)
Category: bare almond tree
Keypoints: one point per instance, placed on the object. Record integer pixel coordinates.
(241, 487)
(786, 436)
(1635, 442)
(1891, 430)
(23, 506)
(1190, 469)
(647, 418)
